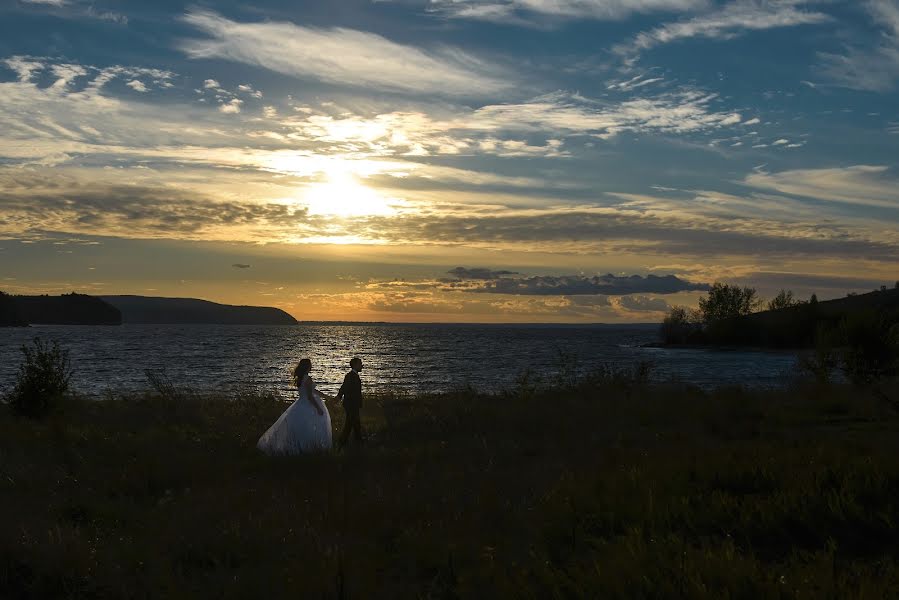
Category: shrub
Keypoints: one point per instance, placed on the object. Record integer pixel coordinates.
(43, 379)
(871, 347)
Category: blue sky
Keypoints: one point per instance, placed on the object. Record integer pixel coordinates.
(570, 155)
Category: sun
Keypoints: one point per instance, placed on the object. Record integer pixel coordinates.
(343, 195)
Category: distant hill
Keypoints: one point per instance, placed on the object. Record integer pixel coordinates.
(798, 326)
(68, 309)
(157, 311)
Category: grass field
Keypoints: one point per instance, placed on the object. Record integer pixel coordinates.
(610, 488)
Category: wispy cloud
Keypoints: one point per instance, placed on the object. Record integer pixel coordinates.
(347, 57)
(79, 9)
(730, 20)
(671, 112)
(537, 127)
(870, 67)
(864, 185)
(516, 11)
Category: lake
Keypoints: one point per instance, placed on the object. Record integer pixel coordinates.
(413, 358)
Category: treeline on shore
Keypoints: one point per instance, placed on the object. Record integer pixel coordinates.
(598, 486)
(859, 332)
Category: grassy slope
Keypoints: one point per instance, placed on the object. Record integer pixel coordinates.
(608, 491)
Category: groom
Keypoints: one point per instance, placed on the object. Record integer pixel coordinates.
(351, 394)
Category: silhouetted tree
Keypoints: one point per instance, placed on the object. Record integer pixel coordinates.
(682, 325)
(784, 299)
(726, 301)
(814, 299)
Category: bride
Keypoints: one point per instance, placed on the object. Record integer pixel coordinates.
(306, 424)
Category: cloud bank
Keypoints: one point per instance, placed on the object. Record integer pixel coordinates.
(495, 282)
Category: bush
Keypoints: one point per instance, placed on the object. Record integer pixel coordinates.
(871, 347)
(43, 380)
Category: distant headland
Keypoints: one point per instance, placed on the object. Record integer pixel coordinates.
(190, 311)
(81, 309)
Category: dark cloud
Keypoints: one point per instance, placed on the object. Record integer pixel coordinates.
(478, 273)
(578, 285)
(628, 231)
(240, 266)
(643, 304)
(135, 211)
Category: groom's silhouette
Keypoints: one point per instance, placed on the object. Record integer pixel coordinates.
(351, 394)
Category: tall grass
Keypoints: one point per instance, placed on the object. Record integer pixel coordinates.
(609, 488)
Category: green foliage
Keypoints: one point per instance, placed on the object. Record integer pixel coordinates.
(604, 491)
(43, 380)
(784, 299)
(725, 301)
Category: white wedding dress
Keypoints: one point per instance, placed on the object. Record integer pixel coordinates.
(300, 429)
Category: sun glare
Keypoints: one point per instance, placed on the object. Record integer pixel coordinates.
(343, 195)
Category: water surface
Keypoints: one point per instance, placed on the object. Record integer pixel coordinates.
(415, 358)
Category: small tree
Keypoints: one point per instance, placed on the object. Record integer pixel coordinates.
(727, 301)
(43, 379)
(784, 299)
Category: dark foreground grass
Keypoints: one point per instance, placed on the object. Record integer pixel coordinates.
(609, 491)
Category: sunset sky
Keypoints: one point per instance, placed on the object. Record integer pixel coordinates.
(449, 160)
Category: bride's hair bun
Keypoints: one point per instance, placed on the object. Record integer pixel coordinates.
(301, 370)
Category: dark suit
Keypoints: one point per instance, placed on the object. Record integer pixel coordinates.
(351, 394)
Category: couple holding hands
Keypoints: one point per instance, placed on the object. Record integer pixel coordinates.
(305, 427)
